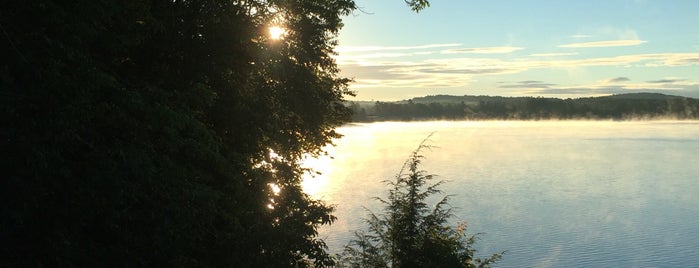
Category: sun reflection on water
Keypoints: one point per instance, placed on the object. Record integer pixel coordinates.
(316, 179)
(592, 182)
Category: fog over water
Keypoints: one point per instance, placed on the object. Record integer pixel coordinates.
(551, 193)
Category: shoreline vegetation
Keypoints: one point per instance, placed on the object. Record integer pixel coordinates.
(622, 107)
(410, 231)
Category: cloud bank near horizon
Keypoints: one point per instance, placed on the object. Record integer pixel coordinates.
(429, 67)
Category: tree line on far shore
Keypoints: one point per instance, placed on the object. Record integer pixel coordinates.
(615, 107)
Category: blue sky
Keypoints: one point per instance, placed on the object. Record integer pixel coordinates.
(521, 48)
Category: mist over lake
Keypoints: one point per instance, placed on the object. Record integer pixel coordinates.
(551, 193)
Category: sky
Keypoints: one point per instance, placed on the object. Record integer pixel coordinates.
(547, 48)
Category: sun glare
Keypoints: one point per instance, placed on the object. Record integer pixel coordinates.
(276, 32)
(315, 184)
(275, 188)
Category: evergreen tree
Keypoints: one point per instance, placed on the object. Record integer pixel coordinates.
(411, 234)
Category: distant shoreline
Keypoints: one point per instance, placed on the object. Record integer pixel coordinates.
(623, 107)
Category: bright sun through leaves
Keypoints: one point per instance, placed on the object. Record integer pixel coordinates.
(276, 32)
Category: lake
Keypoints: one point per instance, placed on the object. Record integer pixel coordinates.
(551, 193)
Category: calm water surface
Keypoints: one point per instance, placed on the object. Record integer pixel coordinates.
(553, 194)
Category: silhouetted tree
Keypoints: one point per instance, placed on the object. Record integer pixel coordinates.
(411, 234)
(150, 133)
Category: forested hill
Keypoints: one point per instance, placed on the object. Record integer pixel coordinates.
(617, 107)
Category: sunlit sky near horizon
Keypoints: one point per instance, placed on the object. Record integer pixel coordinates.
(549, 48)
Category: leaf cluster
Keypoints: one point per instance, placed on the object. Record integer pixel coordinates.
(417, 5)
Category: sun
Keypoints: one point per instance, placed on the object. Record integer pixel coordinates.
(276, 32)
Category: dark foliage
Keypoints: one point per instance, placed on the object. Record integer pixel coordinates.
(148, 133)
(417, 5)
(616, 107)
(411, 234)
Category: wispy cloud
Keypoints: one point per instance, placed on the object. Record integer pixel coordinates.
(483, 50)
(528, 84)
(344, 49)
(665, 81)
(452, 72)
(580, 36)
(618, 80)
(646, 60)
(349, 53)
(553, 54)
(613, 43)
(603, 88)
(378, 55)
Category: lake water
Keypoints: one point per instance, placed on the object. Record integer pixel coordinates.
(551, 193)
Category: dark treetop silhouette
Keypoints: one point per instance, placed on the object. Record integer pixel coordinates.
(150, 133)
